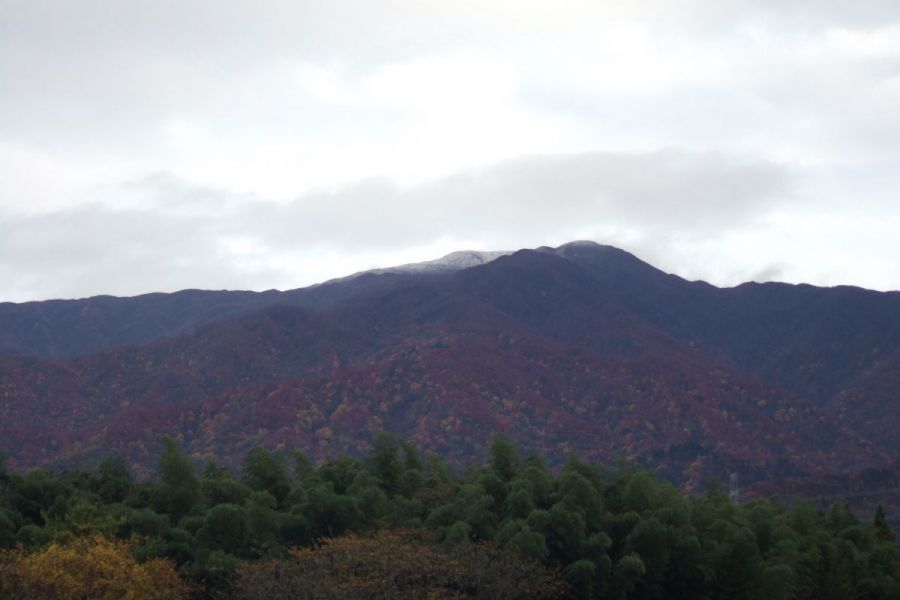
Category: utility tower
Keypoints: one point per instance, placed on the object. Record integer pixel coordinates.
(733, 493)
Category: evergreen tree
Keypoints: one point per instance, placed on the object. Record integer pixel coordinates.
(504, 459)
(384, 462)
(114, 480)
(883, 531)
(179, 491)
(264, 472)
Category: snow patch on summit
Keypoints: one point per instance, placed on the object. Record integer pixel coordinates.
(455, 261)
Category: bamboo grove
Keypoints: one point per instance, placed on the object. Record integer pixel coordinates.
(399, 525)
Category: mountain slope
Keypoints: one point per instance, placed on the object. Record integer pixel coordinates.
(69, 328)
(580, 348)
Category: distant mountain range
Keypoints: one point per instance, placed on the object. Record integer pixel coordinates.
(581, 348)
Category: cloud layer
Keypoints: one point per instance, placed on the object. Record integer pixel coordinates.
(169, 235)
(160, 145)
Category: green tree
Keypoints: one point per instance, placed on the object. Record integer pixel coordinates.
(627, 572)
(883, 531)
(220, 486)
(263, 471)
(384, 462)
(224, 528)
(7, 529)
(504, 459)
(263, 522)
(179, 491)
(114, 480)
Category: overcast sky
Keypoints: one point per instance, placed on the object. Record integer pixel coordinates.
(158, 145)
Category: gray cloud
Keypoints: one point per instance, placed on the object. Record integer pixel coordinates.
(532, 198)
(672, 190)
(176, 235)
(782, 119)
(103, 74)
(93, 249)
(96, 73)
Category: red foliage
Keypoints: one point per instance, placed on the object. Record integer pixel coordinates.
(585, 351)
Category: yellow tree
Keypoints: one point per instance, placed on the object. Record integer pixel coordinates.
(89, 567)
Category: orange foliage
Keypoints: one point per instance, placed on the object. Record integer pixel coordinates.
(89, 567)
(400, 565)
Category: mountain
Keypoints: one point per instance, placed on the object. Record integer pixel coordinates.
(582, 348)
(66, 328)
(454, 261)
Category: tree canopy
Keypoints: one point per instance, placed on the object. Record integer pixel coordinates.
(509, 527)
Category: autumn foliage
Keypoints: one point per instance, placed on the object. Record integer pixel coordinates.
(91, 567)
(581, 349)
(401, 565)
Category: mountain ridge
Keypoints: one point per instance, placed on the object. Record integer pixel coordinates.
(581, 348)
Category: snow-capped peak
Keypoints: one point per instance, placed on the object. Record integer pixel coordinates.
(455, 261)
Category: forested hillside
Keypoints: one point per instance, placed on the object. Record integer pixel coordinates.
(397, 524)
(581, 348)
